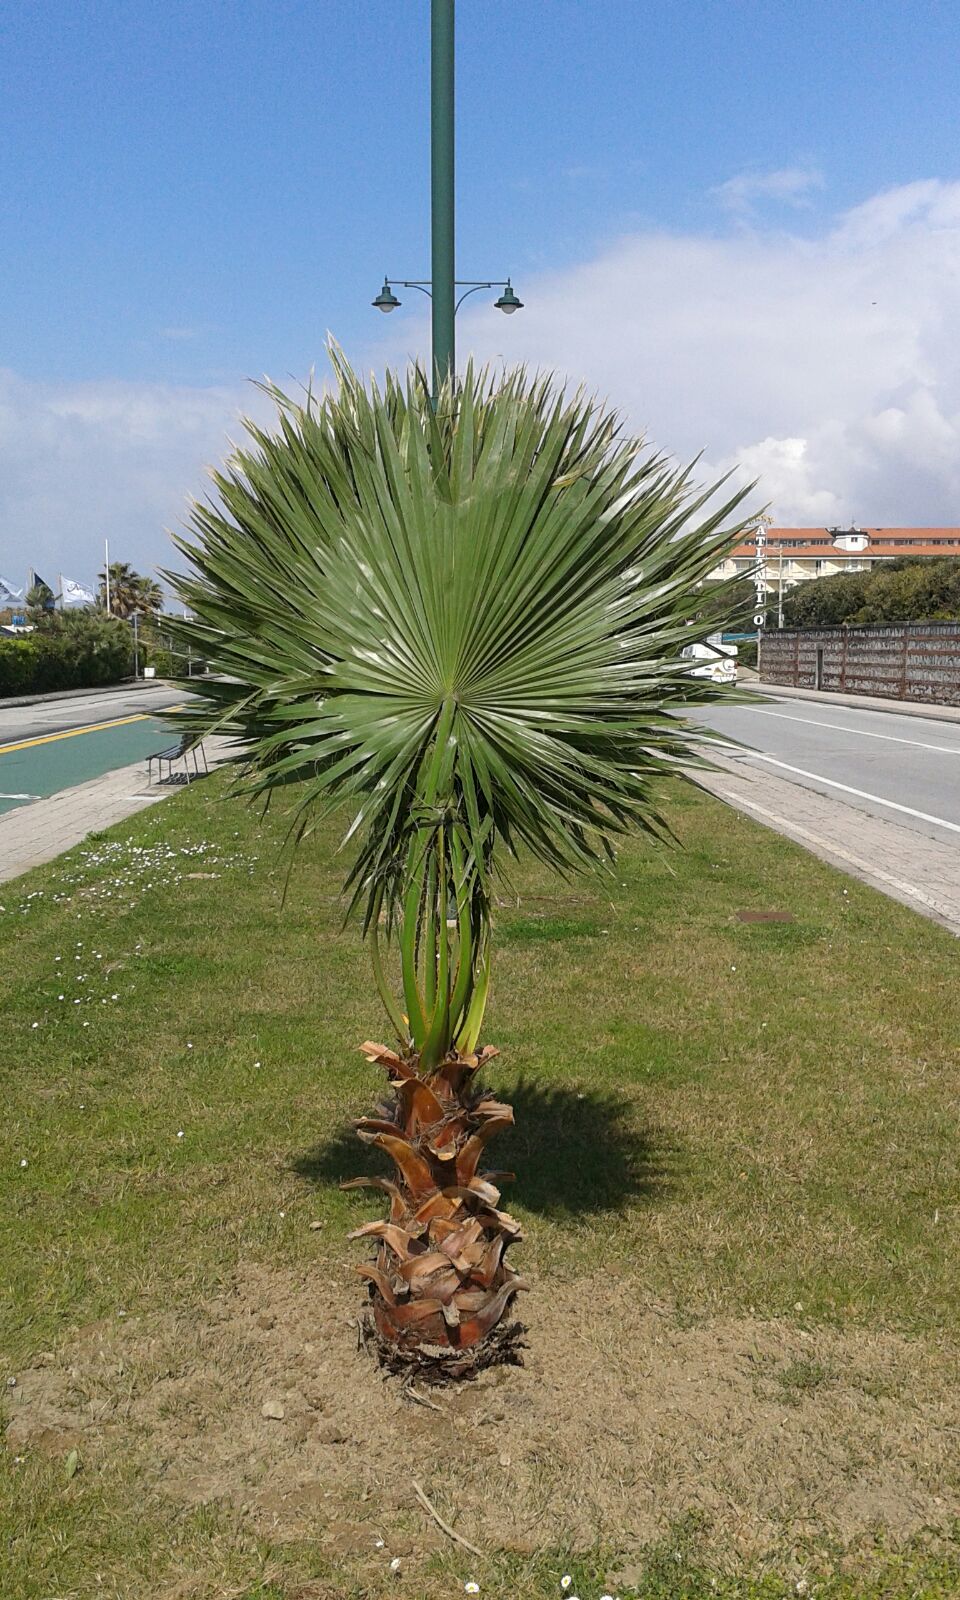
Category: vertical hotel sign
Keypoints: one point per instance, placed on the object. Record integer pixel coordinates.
(760, 580)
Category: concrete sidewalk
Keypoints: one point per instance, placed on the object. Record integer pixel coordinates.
(33, 834)
(921, 872)
(861, 702)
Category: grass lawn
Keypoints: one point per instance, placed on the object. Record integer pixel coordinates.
(737, 1170)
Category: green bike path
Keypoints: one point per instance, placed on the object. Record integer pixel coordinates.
(35, 768)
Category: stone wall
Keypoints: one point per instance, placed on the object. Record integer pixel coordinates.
(903, 661)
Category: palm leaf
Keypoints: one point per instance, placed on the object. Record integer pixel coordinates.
(466, 625)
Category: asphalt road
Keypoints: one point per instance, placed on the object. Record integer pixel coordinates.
(905, 769)
(54, 744)
(82, 710)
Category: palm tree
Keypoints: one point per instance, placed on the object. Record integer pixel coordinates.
(125, 589)
(466, 624)
(149, 596)
(39, 602)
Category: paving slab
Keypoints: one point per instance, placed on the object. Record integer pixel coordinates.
(37, 833)
(920, 871)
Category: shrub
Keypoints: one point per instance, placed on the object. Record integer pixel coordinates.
(68, 650)
(18, 665)
(913, 589)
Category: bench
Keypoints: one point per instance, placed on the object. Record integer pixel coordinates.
(188, 747)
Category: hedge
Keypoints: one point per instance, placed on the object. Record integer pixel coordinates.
(66, 651)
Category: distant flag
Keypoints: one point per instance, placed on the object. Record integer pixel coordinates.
(48, 602)
(8, 592)
(75, 594)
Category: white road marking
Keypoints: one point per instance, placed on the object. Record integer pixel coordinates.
(863, 794)
(944, 749)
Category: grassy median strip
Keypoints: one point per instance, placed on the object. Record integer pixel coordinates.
(736, 1150)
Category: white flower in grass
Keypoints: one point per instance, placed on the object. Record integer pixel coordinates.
(566, 1581)
(395, 1564)
(471, 1587)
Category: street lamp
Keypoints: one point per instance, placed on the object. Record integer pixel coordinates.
(386, 300)
(508, 302)
(441, 287)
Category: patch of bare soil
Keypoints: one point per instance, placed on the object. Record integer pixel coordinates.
(619, 1422)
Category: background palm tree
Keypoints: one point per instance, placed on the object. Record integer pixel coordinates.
(39, 603)
(466, 624)
(149, 596)
(129, 591)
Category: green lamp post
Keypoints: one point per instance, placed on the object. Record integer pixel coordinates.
(443, 270)
(441, 287)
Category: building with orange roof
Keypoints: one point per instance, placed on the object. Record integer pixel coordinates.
(795, 554)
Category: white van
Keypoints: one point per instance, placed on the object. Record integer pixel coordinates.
(718, 661)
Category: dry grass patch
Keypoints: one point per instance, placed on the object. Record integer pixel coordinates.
(619, 1423)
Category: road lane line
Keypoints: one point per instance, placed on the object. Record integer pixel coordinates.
(71, 733)
(864, 794)
(944, 749)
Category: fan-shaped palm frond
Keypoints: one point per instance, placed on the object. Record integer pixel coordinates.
(467, 625)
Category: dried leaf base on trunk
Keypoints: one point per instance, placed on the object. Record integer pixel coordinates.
(439, 1285)
(426, 1363)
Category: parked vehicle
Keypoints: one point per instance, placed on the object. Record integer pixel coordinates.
(718, 661)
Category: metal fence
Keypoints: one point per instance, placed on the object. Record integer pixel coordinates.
(905, 661)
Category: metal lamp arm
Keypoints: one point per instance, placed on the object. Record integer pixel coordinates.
(469, 285)
(474, 289)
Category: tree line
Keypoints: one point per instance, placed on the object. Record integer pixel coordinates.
(83, 646)
(908, 589)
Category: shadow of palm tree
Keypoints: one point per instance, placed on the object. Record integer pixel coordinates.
(574, 1154)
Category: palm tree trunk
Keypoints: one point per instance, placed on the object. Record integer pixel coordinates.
(440, 1288)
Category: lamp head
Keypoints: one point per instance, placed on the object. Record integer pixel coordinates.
(386, 300)
(508, 302)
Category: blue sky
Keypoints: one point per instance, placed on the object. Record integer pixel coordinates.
(195, 192)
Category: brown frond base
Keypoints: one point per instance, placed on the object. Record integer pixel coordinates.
(440, 1287)
(437, 1364)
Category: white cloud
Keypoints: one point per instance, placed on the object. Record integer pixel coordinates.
(87, 461)
(830, 366)
(741, 194)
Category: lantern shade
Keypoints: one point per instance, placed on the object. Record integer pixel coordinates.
(386, 300)
(508, 302)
